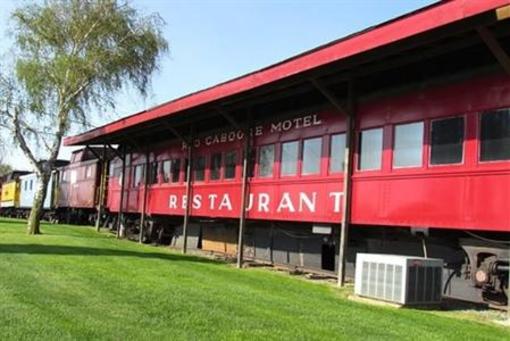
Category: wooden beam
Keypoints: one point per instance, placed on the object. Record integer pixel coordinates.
(329, 96)
(189, 184)
(115, 151)
(93, 152)
(244, 196)
(492, 43)
(102, 189)
(122, 189)
(228, 117)
(348, 167)
(145, 196)
(176, 133)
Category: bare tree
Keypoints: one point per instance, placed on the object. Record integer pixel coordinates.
(71, 56)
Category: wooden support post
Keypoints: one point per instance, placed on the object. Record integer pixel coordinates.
(348, 167)
(102, 189)
(244, 194)
(187, 211)
(122, 189)
(349, 113)
(145, 196)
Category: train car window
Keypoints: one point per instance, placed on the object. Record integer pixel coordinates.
(266, 160)
(31, 184)
(337, 153)
(199, 168)
(137, 175)
(495, 135)
(312, 152)
(25, 183)
(166, 167)
(289, 158)
(370, 149)
(88, 172)
(215, 166)
(176, 169)
(447, 139)
(74, 176)
(117, 173)
(230, 165)
(153, 173)
(408, 145)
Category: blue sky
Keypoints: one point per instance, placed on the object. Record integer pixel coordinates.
(213, 41)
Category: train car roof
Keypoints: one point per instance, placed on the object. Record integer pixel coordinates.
(441, 30)
(13, 175)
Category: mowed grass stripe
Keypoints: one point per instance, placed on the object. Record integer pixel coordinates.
(73, 283)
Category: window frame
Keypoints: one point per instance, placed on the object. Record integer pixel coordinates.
(273, 168)
(65, 176)
(73, 176)
(88, 172)
(429, 137)
(301, 155)
(220, 169)
(224, 170)
(358, 150)
(330, 148)
(181, 173)
(133, 175)
(162, 171)
(394, 139)
(298, 159)
(150, 180)
(479, 137)
(194, 169)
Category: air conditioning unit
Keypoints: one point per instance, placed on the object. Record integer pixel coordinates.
(400, 279)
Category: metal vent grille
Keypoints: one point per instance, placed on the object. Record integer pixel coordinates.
(401, 279)
(382, 281)
(423, 285)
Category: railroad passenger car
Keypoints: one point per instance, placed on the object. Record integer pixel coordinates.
(77, 192)
(394, 140)
(28, 188)
(10, 193)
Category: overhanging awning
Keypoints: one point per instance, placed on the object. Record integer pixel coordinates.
(413, 25)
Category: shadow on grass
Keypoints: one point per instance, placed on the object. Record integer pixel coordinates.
(36, 249)
(12, 221)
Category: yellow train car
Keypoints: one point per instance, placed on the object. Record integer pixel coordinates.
(10, 194)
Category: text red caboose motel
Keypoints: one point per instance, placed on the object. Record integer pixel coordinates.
(398, 135)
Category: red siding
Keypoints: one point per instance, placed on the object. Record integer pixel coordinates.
(472, 195)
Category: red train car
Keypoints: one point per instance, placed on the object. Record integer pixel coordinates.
(78, 187)
(399, 134)
(308, 189)
(438, 157)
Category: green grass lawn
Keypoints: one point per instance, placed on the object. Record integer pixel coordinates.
(73, 283)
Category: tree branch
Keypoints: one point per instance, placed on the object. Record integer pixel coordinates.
(23, 143)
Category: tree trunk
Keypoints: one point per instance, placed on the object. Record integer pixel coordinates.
(34, 219)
